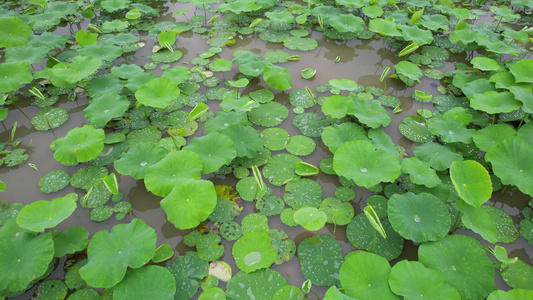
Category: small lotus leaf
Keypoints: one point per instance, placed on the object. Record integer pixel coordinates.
(384, 27)
(347, 23)
(254, 222)
(158, 92)
(88, 177)
(208, 247)
(310, 218)
(262, 96)
(43, 214)
(52, 289)
(111, 253)
(415, 129)
(102, 212)
(253, 251)
(146, 282)
(303, 192)
(79, 145)
(289, 292)
(104, 109)
(275, 138)
(518, 275)
(249, 190)
(472, 181)
(370, 113)
(213, 293)
(261, 284)
(299, 43)
(277, 77)
(420, 218)
(491, 136)
(440, 157)
(285, 247)
(229, 204)
(214, 149)
(310, 124)
(416, 35)
(300, 145)
(305, 169)
(464, 263)
(320, 259)
(54, 181)
(515, 294)
(301, 98)
(337, 211)
(409, 70)
(230, 231)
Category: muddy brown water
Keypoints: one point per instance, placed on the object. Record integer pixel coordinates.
(360, 61)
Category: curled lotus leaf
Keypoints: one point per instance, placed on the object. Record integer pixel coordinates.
(43, 214)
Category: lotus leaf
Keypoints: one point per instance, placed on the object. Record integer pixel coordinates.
(213, 293)
(404, 280)
(275, 139)
(79, 145)
(416, 35)
(336, 135)
(409, 70)
(14, 33)
(520, 70)
(383, 27)
(285, 247)
(493, 102)
(365, 275)
(268, 114)
(253, 68)
(440, 157)
(362, 235)
(472, 182)
(420, 172)
(230, 231)
(289, 292)
(450, 130)
(103, 51)
(344, 84)
(43, 214)
(253, 251)
(366, 164)
(310, 124)
(337, 211)
(370, 113)
(247, 140)
(301, 145)
(158, 92)
(511, 164)
(249, 190)
(277, 56)
(104, 109)
(472, 277)
(308, 73)
(518, 275)
(415, 129)
(270, 205)
(178, 74)
(310, 218)
(101, 213)
(52, 289)
(478, 220)
(111, 253)
(301, 98)
(515, 294)
(277, 77)
(485, 64)
(54, 181)
(208, 247)
(420, 218)
(66, 74)
(147, 282)
(15, 157)
(305, 169)
(73, 239)
(229, 204)
(25, 252)
(320, 259)
(214, 149)
(299, 43)
(88, 177)
(302, 192)
(262, 96)
(13, 75)
(261, 284)
(254, 222)
(347, 23)
(29, 55)
(523, 93)
(188, 271)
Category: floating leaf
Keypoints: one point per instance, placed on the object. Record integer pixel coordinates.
(13, 75)
(268, 114)
(440, 157)
(103, 109)
(299, 43)
(54, 181)
(214, 149)
(277, 77)
(320, 259)
(253, 251)
(420, 172)
(66, 74)
(43, 214)
(14, 33)
(310, 124)
(471, 181)
(256, 285)
(146, 282)
(188, 271)
(79, 145)
(158, 92)
(300, 145)
(73, 239)
(310, 218)
(138, 159)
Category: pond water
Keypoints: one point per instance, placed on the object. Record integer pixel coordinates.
(362, 61)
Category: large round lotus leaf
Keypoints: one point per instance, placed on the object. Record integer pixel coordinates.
(320, 259)
(221, 65)
(14, 33)
(492, 135)
(253, 251)
(75, 238)
(103, 51)
(43, 214)
(111, 253)
(337, 211)
(277, 77)
(284, 246)
(50, 118)
(247, 140)
(522, 70)
(440, 157)
(336, 135)
(344, 84)
(518, 275)
(188, 271)
(29, 55)
(302, 44)
(493, 102)
(178, 74)
(302, 192)
(103, 109)
(370, 113)
(13, 75)
(54, 181)
(412, 280)
(301, 145)
(152, 282)
(190, 202)
(512, 164)
(472, 181)
(139, 157)
(88, 177)
(158, 92)
(362, 235)
(25, 252)
(464, 263)
(70, 73)
(253, 68)
(275, 138)
(415, 129)
(310, 218)
(420, 218)
(310, 124)
(103, 85)
(261, 284)
(420, 172)
(384, 27)
(229, 204)
(167, 56)
(347, 23)
(365, 275)
(268, 114)
(79, 145)
(280, 169)
(366, 164)
(301, 98)
(215, 150)
(516, 294)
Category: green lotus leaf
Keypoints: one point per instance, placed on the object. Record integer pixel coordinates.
(472, 181)
(440, 157)
(383, 27)
(450, 130)
(52, 289)
(158, 92)
(420, 172)
(320, 259)
(416, 35)
(43, 214)
(464, 263)
(518, 275)
(103, 51)
(523, 93)
(73, 239)
(366, 164)
(310, 124)
(88, 177)
(229, 204)
(111, 253)
(25, 252)
(221, 65)
(54, 181)
(190, 202)
(515, 294)
(13, 75)
(262, 284)
(405, 280)
(29, 55)
(344, 84)
(510, 162)
(114, 5)
(289, 292)
(305, 169)
(365, 275)
(214, 149)
(310, 218)
(372, 11)
(188, 271)
(15, 157)
(213, 293)
(333, 293)
(254, 68)
(521, 70)
(230, 231)
(167, 56)
(268, 114)
(493, 102)
(301, 98)
(336, 135)
(249, 190)
(147, 282)
(337, 211)
(477, 86)
(308, 73)
(178, 74)
(275, 138)
(277, 77)
(262, 96)
(79, 145)
(301, 145)
(48, 118)
(301, 192)
(478, 220)
(284, 246)
(122, 39)
(370, 113)
(492, 135)
(277, 56)
(270, 205)
(280, 16)
(230, 102)
(104, 85)
(409, 70)
(208, 247)
(415, 129)
(247, 140)
(253, 251)
(301, 44)
(420, 218)
(485, 64)
(505, 229)
(362, 235)
(102, 110)
(347, 23)
(14, 33)
(70, 73)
